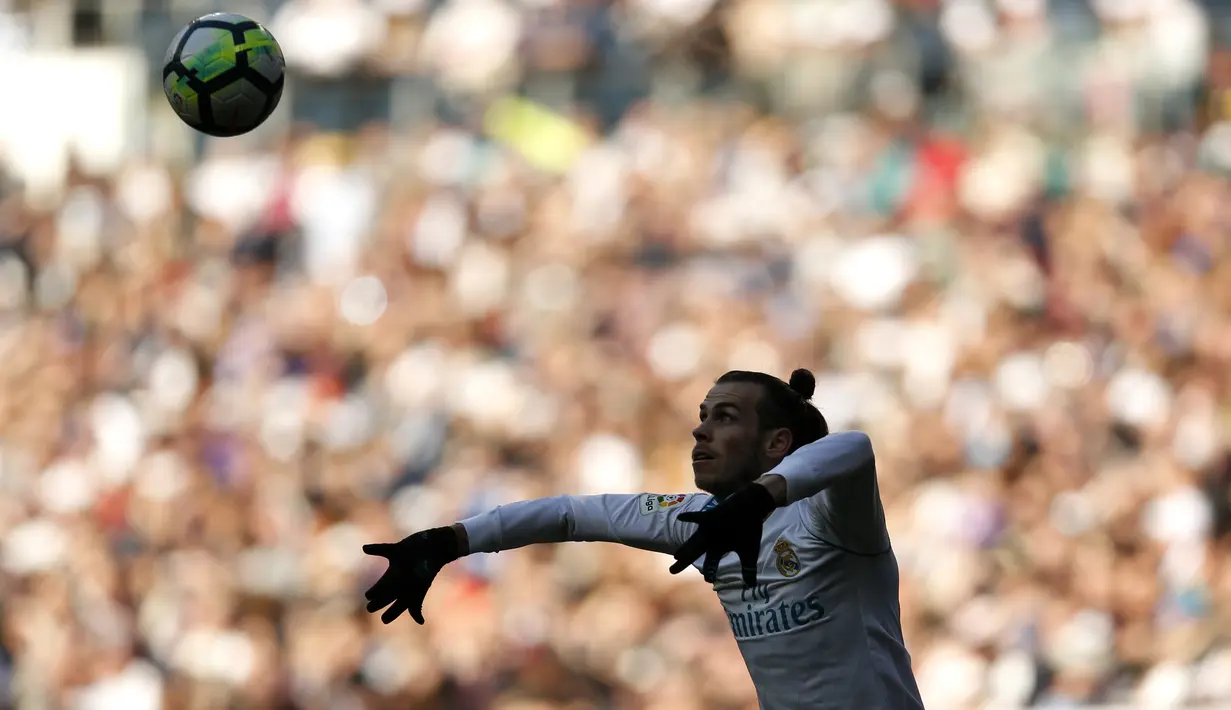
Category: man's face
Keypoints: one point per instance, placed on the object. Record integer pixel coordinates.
(728, 452)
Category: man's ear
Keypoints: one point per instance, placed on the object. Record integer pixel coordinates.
(778, 443)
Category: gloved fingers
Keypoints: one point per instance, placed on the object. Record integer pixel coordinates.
(689, 552)
(748, 554)
(416, 606)
(395, 610)
(381, 598)
(381, 549)
(383, 587)
(709, 569)
(695, 516)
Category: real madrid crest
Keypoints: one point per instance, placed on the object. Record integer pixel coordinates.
(788, 561)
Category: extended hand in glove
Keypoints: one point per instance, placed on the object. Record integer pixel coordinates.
(734, 525)
(413, 564)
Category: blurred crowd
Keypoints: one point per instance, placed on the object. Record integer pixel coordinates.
(996, 230)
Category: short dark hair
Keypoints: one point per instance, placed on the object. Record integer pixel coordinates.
(785, 405)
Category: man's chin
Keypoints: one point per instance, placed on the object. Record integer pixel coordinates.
(705, 474)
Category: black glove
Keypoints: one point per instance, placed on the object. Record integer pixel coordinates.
(413, 564)
(734, 525)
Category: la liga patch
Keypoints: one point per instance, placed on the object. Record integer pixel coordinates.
(654, 503)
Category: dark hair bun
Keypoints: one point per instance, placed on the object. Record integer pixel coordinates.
(803, 382)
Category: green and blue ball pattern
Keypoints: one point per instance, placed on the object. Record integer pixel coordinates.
(223, 74)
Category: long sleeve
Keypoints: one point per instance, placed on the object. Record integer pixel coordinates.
(825, 462)
(645, 521)
(836, 476)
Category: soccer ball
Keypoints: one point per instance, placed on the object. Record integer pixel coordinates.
(223, 74)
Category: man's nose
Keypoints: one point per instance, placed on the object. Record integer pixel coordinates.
(700, 434)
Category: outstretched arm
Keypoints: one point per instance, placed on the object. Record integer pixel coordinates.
(837, 476)
(645, 521)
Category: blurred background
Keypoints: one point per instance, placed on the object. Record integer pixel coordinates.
(495, 249)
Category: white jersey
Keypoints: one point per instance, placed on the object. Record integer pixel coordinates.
(821, 630)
